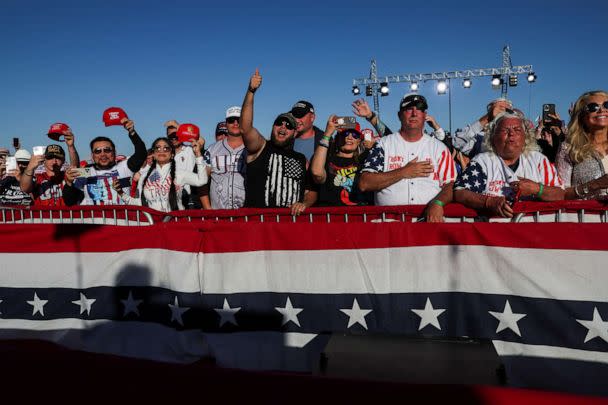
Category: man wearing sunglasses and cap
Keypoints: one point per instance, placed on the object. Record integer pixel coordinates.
(276, 173)
(96, 189)
(307, 134)
(410, 167)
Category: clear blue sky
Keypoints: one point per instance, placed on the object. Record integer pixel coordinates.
(66, 61)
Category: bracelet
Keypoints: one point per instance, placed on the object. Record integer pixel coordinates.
(371, 117)
(439, 203)
(251, 90)
(324, 142)
(540, 192)
(28, 174)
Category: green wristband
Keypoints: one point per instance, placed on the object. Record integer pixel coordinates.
(439, 203)
(540, 191)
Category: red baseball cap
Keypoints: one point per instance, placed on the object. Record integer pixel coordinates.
(113, 116)
(188, 132)
(57, 130)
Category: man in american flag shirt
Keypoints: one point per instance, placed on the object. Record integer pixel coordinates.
(410, 167)
(512, 170)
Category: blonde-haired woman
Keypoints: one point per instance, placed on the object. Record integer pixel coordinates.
(582, 162)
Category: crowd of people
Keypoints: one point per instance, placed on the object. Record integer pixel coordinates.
(489, 165)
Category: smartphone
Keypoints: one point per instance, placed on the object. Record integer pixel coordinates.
(83, 171)
(11, 163)
(548, 109)
(346, 122)
(16, 143)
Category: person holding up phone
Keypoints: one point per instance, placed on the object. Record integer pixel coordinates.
(582, 160)
(10, 188)
(97, 188)
(335, 165)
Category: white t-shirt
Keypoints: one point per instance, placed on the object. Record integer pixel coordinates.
(98, 186)
(488, 174)
(392, 152)
(156, 190)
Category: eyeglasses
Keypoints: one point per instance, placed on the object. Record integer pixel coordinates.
(594, 107)
(232, 120)
(98, 151)
(162, 148)
(280, 122)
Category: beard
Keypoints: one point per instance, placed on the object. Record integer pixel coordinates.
(286, 144)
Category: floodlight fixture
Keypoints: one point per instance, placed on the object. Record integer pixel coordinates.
(442, 87)
(513, 80)
(369, 91)
(466, 83)
(496, 81)
(531, 77)
(356, 90)
(384, 90)
(414, 86)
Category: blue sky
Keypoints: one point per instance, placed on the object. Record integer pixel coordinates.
(66, 61)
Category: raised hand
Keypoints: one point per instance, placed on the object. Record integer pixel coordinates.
(362, 109)
(69, 138)
(256, 81)
(128, 124)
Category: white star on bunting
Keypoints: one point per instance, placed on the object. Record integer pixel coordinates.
(177, 311)
(38, 305)
(508, 320)
(597, 327)
(131, 305)
(356, 315)
(289, 313)
(428, 315)
(227, 314)
(84, 303)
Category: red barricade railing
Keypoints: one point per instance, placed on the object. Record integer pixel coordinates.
(560, 211)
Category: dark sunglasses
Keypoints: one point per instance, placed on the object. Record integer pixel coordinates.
(162, 148)
(344, 134)
(279, 123)
(594, 107)
(232, 120)
(98, 151)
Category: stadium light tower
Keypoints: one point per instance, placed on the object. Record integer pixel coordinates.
(506, 74)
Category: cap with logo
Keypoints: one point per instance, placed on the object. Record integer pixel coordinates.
(221, 128)
(54, 151)
(413, 100)
(22, 155)
(287, 117)
(188, 132)
(4, 152)
(57, 130)
(301, 108)
(233, 112)
(113, 116)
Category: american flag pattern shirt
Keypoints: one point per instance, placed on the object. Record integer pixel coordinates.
(488, 174)
(393, 152)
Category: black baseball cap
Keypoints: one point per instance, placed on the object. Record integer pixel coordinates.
(301, 108)
(413, 100)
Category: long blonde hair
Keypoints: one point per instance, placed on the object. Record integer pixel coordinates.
(581, 146)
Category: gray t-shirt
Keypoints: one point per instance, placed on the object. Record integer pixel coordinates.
(227, 180)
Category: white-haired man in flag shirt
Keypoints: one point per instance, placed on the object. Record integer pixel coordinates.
(410, 167)
(513, 169)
